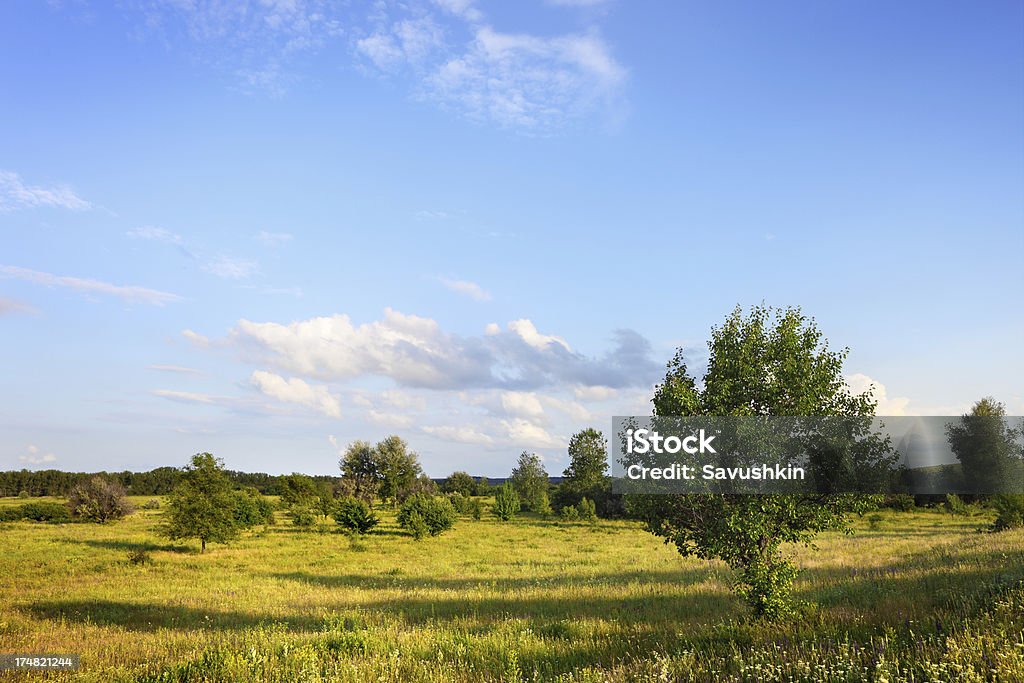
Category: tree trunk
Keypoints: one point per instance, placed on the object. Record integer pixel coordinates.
(202, 549)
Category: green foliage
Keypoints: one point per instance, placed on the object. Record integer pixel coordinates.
(422, 514)
(251, 509)
(587, 510)
(459, 482)
(388, 469)
(360, 476)
(41, 511)
(302, 517)
(459, 502)
(100, 500)
(955, 506)
(901, 502)
(987, 448)
(139, 556)
(354, 515)
(202, 505)
(769, 362)
(585, 477)
(530, 480)
(506, 502)
(298, 490)
(23, 494)
(475, 508)
(1009, 509)
(874, 521)
(569, 513)
(151, 504)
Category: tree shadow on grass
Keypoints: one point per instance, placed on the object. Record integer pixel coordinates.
(130, 546)
(147, 618)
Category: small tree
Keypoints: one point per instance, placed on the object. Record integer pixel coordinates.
(459, 482)
(585, 475)
(422, 513)
(298, 490)
(99, 499)
(251, 509)
(587, 510)
(987, 448)
(354, 515)
(1009, 511)
(202, 505)
(360, 475)
(530, 480)
(506, 502)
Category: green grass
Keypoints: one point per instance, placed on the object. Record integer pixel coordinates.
(923, 596)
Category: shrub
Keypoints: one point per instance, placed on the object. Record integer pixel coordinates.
(874, 520)
(98, 499)
(354, 515)
(475, 508)
(251, 509)
(44, 512)
(588, 511)
(570, 513)
(459, 502)
(506, 502)
(903, 502)
(23, 494)
(302, 517)
(1009, 509)
(422, 514)
(151, 504)
(139, 556)
(954, 505)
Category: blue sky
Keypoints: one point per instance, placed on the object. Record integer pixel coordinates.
(266, 229)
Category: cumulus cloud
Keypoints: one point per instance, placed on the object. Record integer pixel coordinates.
(34, 456)
(895, 406)
(17, 194)
(415, 352)
(466, 435)
(198, 339)
(467, 288)
(594, 393)
(130, 294)
(295, 390)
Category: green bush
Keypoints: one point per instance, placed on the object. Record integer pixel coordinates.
(354, 515)
(1009, 509)
(39, 512)
(570, 513)
(874, 521)
(588, 511)
(903, 502)
(98, 499)
(139, 556)
(23, 494)
(151, 504)
(423, 514)
(475, 508)
(302, 517)
(506, 502)
(954, 505)
(459, 502)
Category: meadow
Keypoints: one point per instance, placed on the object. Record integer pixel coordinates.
(911, 596)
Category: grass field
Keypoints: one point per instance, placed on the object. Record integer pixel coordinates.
(921, 597)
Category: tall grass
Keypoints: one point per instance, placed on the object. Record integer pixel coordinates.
(922, 596)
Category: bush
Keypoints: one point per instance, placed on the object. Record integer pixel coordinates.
(139, 556)
(1009, 509)
(302, 517)
(151, 504)
(98, 499)
(570, 513)
(459, 502)
(588, 511)
(23, 494)
(954, 505)
(422, 514)
(41, 512)
(251, 509)
(354, 515)
(874, 521)
(903, 502)
(475, 508)
(506, 502)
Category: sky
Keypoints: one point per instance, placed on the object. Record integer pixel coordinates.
(267, 228)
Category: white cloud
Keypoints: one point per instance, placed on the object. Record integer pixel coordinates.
(393, 420)
(16, 194)
(465, 9)
(467, 288)
(594, 393)
(231, 268)
(522, 404)
(155, 234)
(34, 456)
(273, 239)
(131, 294)
(466, 435)
(295, 390)
(859, 383)
(196, 338)
(522, 432)
(415, 352)
(184, 396)
(174, 368)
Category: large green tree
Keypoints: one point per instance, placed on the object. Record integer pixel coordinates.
(765, 362)
(987, 448)
(585, 477)
(202, 505)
